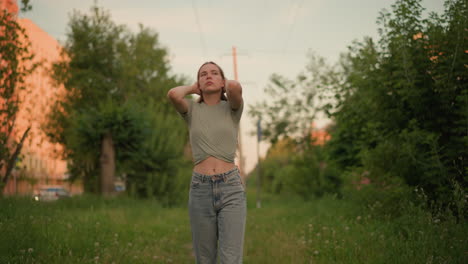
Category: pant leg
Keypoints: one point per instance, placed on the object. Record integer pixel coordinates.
(231, 221)
(203, 222)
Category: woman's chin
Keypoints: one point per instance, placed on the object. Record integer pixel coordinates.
(212, 90)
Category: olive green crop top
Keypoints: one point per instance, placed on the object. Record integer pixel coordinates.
(213, 130)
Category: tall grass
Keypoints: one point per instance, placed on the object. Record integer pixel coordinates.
(285, 230)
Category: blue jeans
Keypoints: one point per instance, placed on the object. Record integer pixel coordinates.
(217, 209)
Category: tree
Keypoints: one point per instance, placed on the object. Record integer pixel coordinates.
(114, 80)
(399, 104)
(293, 163)
(15, 65)
(402, 110)
(292, 104)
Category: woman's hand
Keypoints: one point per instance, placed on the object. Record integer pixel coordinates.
(195, 89)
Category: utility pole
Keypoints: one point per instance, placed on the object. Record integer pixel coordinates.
(241, 156)
(259, 138)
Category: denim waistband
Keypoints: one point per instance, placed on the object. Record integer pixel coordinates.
(221, 176)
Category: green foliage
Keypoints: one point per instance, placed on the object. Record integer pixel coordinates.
(311, 176)
(294, 165)
(159, 168)
(16, 64)
(292, 104)
(402, 112)
(299, 169)
(116, 82)
(399, 107)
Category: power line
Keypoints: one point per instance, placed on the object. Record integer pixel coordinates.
(292, 27)
(200, 30)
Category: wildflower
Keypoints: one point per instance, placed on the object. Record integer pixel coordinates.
(316, 252)
(30, 250)
(346, 228)
(326, 241)
(358, 218)
(96, 244)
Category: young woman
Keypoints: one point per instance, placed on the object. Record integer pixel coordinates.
(217, 202)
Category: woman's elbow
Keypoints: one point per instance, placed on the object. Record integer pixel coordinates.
(171, 94)
(236, 88)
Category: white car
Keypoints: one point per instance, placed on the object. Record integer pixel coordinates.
(51, 193)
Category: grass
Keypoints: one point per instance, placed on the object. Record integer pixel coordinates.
(285, 230)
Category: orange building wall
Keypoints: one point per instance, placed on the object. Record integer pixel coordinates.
(41, 163)
(320, 136)
(41, 155)
(9, 5)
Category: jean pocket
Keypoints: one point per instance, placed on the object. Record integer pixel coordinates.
(234, 181)
(195, 184)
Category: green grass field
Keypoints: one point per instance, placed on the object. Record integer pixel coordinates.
(285, 230)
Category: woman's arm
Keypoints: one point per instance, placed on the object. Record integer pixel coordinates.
(176, 96)
(234, 93)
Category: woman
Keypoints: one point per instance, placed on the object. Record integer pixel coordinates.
(217, 203)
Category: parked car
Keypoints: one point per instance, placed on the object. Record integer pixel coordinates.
(51, 193)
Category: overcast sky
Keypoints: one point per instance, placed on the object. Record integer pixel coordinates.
(271, 36)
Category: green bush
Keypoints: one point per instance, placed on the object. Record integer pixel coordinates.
(306, 173)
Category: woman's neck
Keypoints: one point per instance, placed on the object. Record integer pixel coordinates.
(211, 99)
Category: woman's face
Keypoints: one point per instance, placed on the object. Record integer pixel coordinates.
(210, 79)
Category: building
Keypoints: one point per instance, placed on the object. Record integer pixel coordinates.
(319, 136)
(40, 161)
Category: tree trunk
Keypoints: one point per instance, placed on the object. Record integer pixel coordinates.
(107, 165)
(12, 160)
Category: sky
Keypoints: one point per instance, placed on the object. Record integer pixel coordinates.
(271, 36)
